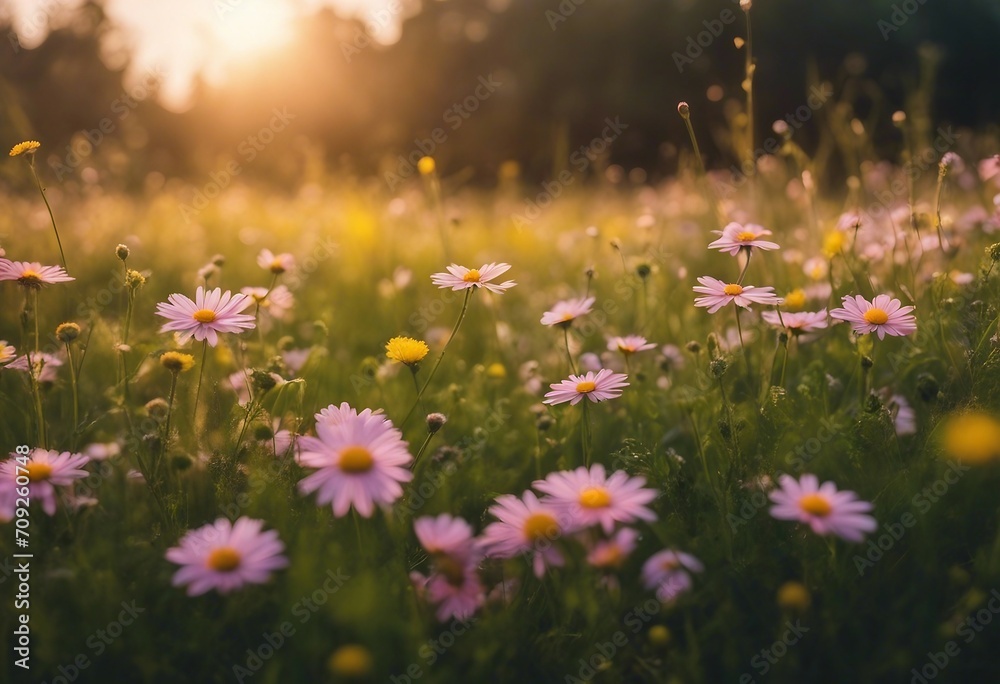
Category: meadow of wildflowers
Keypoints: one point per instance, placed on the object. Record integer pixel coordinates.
(331, 436)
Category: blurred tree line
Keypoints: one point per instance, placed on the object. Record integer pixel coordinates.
(478, 82)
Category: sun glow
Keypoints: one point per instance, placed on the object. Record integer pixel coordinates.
(244, 28)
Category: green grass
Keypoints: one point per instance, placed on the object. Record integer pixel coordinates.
(703, 441)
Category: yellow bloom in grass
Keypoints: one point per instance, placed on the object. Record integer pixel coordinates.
(176, 362)
(426, 166)
(406, 350)
(26, 147)
(351, 660)
(795, 300)
(509, 170)
(496, 371)
(833, 243)
(972, 437)
(794, 596)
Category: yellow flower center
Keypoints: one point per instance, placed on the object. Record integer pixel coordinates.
(876, 316)
(670, 564)
(733, 290)
(472, 276)
(30, 277)
(586, 387)
(277, 266)
(224, 559)
(204, 315)
(595, 497)
(540, 526)
(567, 317)
(38, 472)
(746, 236)
(816, 504)
(356, 459)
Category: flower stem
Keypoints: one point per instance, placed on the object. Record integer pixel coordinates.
(569, 354)
(41, 190)
(585, 431)
(430, 376)
(73, 386)
(201, 374)
(166, 429)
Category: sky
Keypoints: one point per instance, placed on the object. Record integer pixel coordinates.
(177, 39)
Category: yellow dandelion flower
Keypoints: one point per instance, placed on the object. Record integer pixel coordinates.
(176, 362)
(351, 660)
(426, 166)
(406, 350)
(794, 596)
(833, 243)
(496, 371)
(26, 147)
(795, 300)
(972, 437)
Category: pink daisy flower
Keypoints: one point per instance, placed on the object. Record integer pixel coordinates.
(7, 353)
(462, 278)
(669, 573)
(445, 535)
(611, 553)
(46, 471)
(42, 365)
(32, 274)
(225, 556)
(277, 302)
(208, 315)
(822, 507)
(337, 415)
(589, 497)
(989, 168)
(630, 344)
(457, 592)
(527, 526)
(797, 322)
(275, 263)
(881, 316)
(605, 384)
(718, 294)
(563, 313)
(735, 237)
(360, 461)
